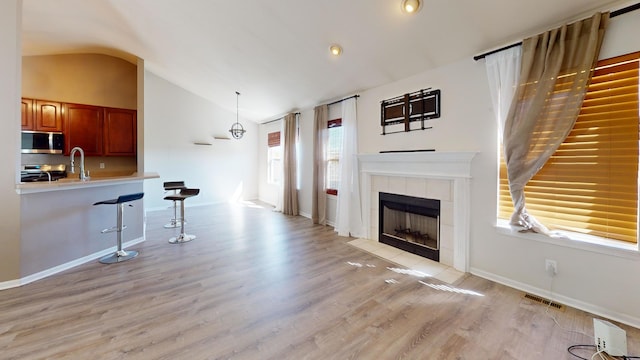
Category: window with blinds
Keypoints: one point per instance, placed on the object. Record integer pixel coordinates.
(590, 184)
(334, 148)
(274, 158)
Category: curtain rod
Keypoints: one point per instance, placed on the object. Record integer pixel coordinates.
(331, 103)
(613, 14)
(341, 100)
(278, 119)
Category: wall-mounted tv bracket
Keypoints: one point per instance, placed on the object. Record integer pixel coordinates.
(410, 111)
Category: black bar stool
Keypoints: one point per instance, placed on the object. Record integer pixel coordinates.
(181, 197)
(174, 186)
(120, 255)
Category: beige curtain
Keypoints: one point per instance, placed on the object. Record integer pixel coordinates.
(542, 114)
(319, 196)
(290, 191)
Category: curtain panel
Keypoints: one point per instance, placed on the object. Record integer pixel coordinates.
(319, 190)
(503, 73)
(289, 160)
(541, 115)
(349, 208)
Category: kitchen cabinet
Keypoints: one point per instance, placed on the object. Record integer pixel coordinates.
(98, 130)
(120, 132)
(26, 107)
(83, 127)
(48, 115)
(41, 115)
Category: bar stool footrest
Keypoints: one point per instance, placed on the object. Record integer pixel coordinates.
(112, 229)
(174, 224)
(118, 256)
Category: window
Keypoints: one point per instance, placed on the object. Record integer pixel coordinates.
(274, 158)
(334, 149)
(590, 185)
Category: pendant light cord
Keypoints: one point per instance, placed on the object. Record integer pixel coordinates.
(237, 113)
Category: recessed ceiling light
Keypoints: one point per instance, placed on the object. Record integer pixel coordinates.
(335, 49)
(411, 6)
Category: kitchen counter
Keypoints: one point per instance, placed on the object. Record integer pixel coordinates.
(74, 183)
(61, 227)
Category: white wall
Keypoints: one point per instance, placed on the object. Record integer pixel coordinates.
(587, 278)
(173, 120)
(10, 65)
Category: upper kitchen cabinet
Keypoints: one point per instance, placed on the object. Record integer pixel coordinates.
(83, 127)
(41, 115)
(120, 132)
(27, 114)
(48, 116)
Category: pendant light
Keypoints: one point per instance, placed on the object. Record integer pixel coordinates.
(237, 131)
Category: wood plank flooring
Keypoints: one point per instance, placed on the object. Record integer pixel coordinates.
(256, 284)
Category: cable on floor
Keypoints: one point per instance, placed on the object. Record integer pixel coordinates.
(593, 347)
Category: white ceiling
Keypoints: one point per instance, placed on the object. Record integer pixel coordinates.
(276, 52)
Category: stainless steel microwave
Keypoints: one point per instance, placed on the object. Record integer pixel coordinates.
(41, 142)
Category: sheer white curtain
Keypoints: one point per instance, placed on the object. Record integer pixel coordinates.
(349, 208)
(503, 72)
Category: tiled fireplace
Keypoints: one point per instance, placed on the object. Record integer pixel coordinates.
(441, 176)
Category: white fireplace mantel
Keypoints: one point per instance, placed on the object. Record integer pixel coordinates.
(452, 166)
(445, 165)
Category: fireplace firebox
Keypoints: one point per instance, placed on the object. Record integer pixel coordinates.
(410, 223)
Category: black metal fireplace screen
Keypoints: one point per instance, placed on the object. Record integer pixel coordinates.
(410, 223)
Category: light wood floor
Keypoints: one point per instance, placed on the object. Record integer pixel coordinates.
(259, 285)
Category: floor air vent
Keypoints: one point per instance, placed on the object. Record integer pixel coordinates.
(544, 301)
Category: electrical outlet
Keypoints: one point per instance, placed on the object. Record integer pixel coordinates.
(101, 165)
(551, 267)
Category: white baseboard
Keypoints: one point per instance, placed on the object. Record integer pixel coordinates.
(578, 304)
(66, 266)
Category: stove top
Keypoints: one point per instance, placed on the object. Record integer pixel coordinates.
(42, 172)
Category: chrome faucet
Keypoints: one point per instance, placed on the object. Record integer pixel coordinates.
(83, 177)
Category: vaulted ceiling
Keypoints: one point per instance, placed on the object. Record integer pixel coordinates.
(276, 52)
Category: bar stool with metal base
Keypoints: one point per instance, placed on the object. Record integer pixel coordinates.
(181, 197)
(174, 186)
(120, 255)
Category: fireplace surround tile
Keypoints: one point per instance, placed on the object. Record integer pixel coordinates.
(416, 187)
(380, 183)
(397, 185)
(439, 189)
(446, 244)
(446, 212)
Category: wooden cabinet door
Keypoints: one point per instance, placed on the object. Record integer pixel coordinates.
(27, 114)
(83, 128)
(48, 116)
(120, 127)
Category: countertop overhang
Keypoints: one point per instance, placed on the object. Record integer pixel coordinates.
(72, 184)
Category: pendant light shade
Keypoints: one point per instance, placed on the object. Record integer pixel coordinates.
(237, 131)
